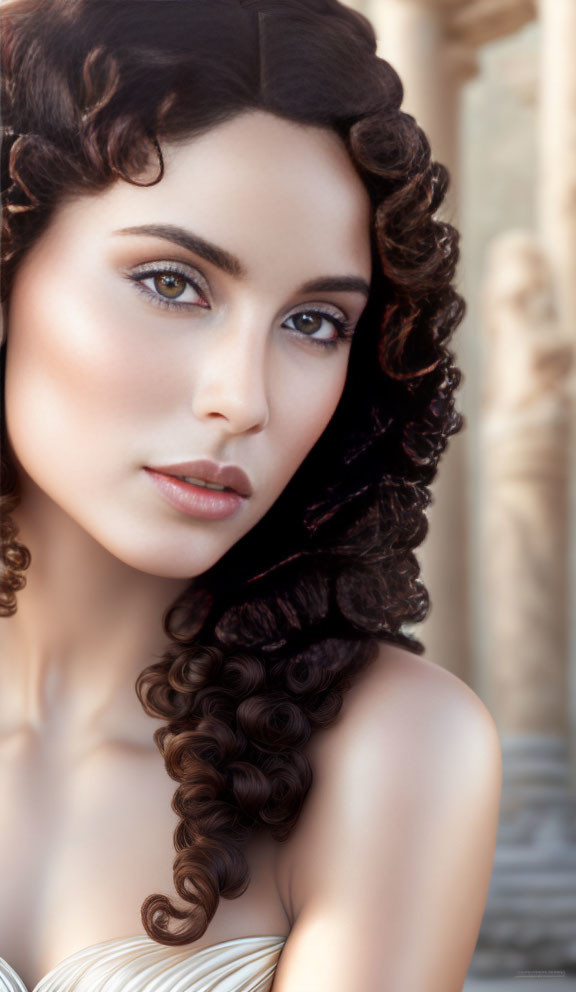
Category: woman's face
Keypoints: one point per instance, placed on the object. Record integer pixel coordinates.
(133, 345)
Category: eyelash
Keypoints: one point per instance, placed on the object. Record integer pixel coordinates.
(344, 327)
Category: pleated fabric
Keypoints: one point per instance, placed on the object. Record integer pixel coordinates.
(139, 964)
(9, 980)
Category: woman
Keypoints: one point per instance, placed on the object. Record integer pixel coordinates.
(226, 391)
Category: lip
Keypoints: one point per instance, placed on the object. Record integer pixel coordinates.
(195, 500)
(207, 470)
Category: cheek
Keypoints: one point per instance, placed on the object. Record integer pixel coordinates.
(72, 380)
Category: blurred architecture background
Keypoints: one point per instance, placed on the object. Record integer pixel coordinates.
(493, 83)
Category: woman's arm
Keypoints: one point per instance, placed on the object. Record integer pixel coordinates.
(391, 866)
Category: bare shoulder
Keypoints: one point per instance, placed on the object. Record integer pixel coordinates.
(398, 677)
(408, 713)
(393, 852)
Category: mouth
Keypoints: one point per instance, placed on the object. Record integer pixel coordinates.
(203, 484)
(196, 497)
(207, 474)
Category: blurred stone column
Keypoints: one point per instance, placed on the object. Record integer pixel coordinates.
(557, 212)
(530, 917)
(414, 36)
(557, 181)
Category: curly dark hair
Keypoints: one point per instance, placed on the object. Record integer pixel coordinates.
(262, 646)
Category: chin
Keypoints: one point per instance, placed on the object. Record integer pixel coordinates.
(182, 560)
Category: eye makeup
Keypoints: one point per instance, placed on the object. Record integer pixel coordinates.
(151, 270)
(191, 277)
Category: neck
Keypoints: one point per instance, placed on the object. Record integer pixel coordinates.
(86, 624)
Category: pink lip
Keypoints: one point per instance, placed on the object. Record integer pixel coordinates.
(194, 500)
(230, 476)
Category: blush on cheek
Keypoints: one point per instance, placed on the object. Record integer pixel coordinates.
(57, 374)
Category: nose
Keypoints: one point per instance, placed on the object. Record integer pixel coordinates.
(231, 380)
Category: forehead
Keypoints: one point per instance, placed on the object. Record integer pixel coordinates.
(252, 184)
(259, 154)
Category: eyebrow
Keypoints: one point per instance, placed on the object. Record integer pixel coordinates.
(232, 265)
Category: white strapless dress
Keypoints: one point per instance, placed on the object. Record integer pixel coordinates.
(140, 964)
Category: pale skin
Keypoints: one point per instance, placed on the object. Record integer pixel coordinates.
(382, 884)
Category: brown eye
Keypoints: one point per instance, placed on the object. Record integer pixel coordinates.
(321, 327)
(169, 284)
(309, 322)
